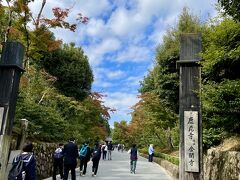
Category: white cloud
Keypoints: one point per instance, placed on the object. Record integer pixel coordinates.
(126, 23)
(121, 101)
(102, 84)
(93, 8)
(103, 76)
(99, 78)
(119, 22)
(95, 27)
(134, 80)
(96, 52)
(134, 54)
(115, 74)
(148, 8)
(160, 27)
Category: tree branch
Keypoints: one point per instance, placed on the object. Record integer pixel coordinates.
(39, 14)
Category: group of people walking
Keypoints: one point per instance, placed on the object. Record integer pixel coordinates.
(65, 160)
(107, 151)
(70, 153)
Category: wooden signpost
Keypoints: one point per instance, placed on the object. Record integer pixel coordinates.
(10, 72)
(191, 167)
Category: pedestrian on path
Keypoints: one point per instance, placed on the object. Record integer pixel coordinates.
(123, 147)
(133, 158)
(96, 155)
(24, 165)
(58, 161)
(104, 151)
(70, 154)
(150, 153)
(110, 148)
(85, 155)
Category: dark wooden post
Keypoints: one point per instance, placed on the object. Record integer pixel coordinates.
(190, 108)
(10, 72)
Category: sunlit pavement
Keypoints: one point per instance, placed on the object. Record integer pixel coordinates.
(119, 168)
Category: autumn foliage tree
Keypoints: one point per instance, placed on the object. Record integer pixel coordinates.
(38, 39)
(55, 91)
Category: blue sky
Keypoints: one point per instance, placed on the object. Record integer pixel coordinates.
(120, 41)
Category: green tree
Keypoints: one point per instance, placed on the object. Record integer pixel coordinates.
(160, 88)
(231, 7)
(120, 132)
(220, 94)
(71, 68)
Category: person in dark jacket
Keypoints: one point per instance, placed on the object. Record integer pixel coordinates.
(133, 158)
(84, 159)
(96, 155)
(29, 163)
(110, 148)
(70, 154)
(58, 161)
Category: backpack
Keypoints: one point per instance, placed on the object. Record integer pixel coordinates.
(17, 169)
(96, 153)
(83, 151)
(58, 154)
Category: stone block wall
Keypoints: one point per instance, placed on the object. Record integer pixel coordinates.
(222, 165)
(43, 154)
(218, 165)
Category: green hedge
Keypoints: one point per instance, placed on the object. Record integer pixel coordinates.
(172, 159)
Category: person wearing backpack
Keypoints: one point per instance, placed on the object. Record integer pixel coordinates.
(84, 155)
(24, 165)
(104, 151)
(58, 161)
(96, 155)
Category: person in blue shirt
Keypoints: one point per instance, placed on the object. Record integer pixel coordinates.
(150, 153)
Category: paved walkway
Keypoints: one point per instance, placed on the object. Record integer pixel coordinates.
(119, 168)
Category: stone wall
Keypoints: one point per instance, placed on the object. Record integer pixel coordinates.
(222, 165)
(218, 165)
(43, 154)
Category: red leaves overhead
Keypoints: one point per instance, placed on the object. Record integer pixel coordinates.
(59, 20)
(97, 100)
(82, 19)
(60, 14)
